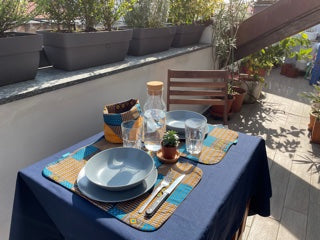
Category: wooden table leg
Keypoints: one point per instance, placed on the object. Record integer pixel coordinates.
(239, 232)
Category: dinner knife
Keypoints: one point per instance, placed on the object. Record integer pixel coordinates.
(156, 205)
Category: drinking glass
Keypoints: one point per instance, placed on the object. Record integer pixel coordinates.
(131, 133)
(195, 130)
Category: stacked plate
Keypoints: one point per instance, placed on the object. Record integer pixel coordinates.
(117, 174)
(176, 121)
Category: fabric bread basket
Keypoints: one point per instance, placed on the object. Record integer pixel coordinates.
(117, 113)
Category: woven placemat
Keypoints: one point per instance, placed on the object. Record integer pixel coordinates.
(65, 172)
(215, 145)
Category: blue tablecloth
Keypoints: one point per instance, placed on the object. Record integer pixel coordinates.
(213, 210)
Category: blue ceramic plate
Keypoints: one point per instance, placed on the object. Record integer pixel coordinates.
(119, 169)
(176, 120)
(97, 193)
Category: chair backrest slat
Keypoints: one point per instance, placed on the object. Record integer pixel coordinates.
(213, 93)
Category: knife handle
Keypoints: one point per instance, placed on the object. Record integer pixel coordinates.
(156, 205)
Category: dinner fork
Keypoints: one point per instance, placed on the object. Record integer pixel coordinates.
(164, 183)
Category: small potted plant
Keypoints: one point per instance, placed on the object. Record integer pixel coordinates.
(76, 42)
(189, 16)
(19, 52)
(169, 144)
(150, 33)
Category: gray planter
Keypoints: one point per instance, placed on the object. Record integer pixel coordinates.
(187, 35)
(150, 40)
(73, 51)
(19, 57)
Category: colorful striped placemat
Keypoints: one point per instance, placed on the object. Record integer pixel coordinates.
(215, 145)
(65, 172)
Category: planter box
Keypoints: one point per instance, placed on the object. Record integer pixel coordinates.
(73, 51)
(19, 57)
(150, 40)
(187, 35)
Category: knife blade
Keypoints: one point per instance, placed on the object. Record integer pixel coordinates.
(156, 205)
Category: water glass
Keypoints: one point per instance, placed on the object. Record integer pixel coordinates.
(131, 133)
(195, 130)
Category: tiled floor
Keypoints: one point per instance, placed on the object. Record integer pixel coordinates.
(281, 118)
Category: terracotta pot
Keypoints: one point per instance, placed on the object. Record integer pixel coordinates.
(289, 70)
(284, 68)
(312, 120)
(218, 110)
(315, 136)
(292, 72)
(169, 152)
(238, 99)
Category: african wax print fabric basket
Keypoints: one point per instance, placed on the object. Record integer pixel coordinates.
(117, 113)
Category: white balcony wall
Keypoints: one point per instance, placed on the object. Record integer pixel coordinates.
(36, 127)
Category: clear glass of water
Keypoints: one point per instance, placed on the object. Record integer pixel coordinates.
(131, 133)
(154, 127)
(195, 130)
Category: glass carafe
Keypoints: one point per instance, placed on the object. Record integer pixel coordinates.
(154, 117)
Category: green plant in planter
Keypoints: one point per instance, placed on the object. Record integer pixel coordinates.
(297, 47)
(170, 139)
(191, 11)
(148, 14)
(92, 12)
(93, 48)
(313, 96)
(225, 24)
(13, 13)
(113, 10)
(63, 13)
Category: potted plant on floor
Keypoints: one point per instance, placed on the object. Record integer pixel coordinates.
(71, 48)
(169, 144)
(189, 16)
(314, 98)
(150, 33)
(315, 135)
(19, 52)
(296, 48)
(257, 66)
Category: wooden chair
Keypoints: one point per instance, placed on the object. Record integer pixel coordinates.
(188, 92)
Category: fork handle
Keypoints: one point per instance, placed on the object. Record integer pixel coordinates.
(151, 197)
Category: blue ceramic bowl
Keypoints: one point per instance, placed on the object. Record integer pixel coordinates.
(119, 169)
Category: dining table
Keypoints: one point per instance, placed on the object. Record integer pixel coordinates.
(214, 209)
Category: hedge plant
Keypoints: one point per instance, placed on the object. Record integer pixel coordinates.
(191, 11)
(91, 13)
(63, 13)
(148, 14)
(13, 13)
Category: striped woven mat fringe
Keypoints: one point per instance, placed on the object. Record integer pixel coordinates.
(65, 172)
(215, 145)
